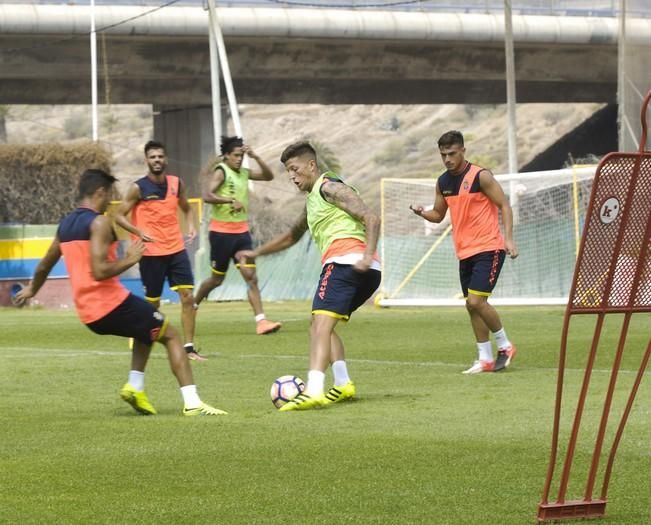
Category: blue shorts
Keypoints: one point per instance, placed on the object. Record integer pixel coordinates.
(224, 246)
(342, 290)
(154, 269)
(134, 317)
(478, 274)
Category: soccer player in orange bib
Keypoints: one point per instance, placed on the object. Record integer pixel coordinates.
(474, 199)
(153, 201)
(88, 243)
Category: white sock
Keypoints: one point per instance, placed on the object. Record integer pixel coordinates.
(315, 382)
(260, 317)
(188, 345)
(190, 396)
(501, 339)
(137, 380)
(485, 351)
(340, 372)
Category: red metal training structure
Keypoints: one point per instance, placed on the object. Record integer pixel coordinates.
(612, 275)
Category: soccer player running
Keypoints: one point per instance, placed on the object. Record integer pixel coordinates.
(474, 198)
(346, 232)
(228, 192)
(88, 243)
(153, 201)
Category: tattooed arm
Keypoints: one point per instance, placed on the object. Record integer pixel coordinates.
(344, 197)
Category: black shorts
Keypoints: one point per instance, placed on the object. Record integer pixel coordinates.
(478, 274)
(224, 246)
(134, 317)
(342, 290)
(154, 269)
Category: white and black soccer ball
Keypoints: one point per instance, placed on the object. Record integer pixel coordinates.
(285, 388)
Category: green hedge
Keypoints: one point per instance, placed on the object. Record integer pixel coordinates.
(39, 181)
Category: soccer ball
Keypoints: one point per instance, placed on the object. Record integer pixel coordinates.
(285, 388)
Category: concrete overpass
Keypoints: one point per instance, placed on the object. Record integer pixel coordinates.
(281, 55)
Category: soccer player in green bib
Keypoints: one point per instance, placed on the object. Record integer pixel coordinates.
(228, 192)
(346, 232)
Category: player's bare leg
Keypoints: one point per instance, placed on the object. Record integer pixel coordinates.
(343, 387)
(263, 325)
(478, 307)
(208, 286)
(321, 332)
(133, 391)
(485, 319)
(193, 406)
(188, 322)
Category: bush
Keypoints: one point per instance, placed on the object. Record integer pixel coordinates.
(40, 181)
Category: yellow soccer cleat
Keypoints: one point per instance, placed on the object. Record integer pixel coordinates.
(304, 402)
(340, 393)
(203, 410)
(137, 399)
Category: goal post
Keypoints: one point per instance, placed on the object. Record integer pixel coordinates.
(420, 267)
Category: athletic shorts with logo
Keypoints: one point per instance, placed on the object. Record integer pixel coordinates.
(478, 274)
(342, 290)
(224, 246)
(135, 318)
(176, 268)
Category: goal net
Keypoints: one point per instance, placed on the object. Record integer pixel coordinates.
(419, 263)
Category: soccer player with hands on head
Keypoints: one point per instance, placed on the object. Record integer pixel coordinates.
(88, 243)
(474, 199)
(227, 191)
(346, 232)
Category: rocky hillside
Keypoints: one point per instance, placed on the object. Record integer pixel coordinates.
(369, 142)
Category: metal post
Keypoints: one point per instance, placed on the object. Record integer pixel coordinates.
(621, 76)
(510, 106)
(93, 70)
(214, 86)
(226, 70)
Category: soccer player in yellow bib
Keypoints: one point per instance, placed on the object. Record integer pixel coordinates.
(228, 192)
(346, 232)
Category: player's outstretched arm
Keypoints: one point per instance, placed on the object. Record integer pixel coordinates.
(101, 238)
(492, 189)
(43, 269)
(264, 173)
(437, 213)
(344, 197)
(279, 243)
(131, 199)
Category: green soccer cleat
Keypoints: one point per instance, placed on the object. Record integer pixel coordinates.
(137, 399)
(203, 410)
(340, 393)
(304, 402)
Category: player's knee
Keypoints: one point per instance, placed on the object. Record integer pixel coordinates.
(186, 298)
(251, 280)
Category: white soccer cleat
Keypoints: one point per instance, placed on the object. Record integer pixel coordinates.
(480, 366)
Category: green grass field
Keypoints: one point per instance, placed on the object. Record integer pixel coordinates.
(422, 444)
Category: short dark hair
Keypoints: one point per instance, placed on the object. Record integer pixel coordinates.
(93, 179)
(154, 144)
(230, 143)
(449, 138)
(297, 150)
